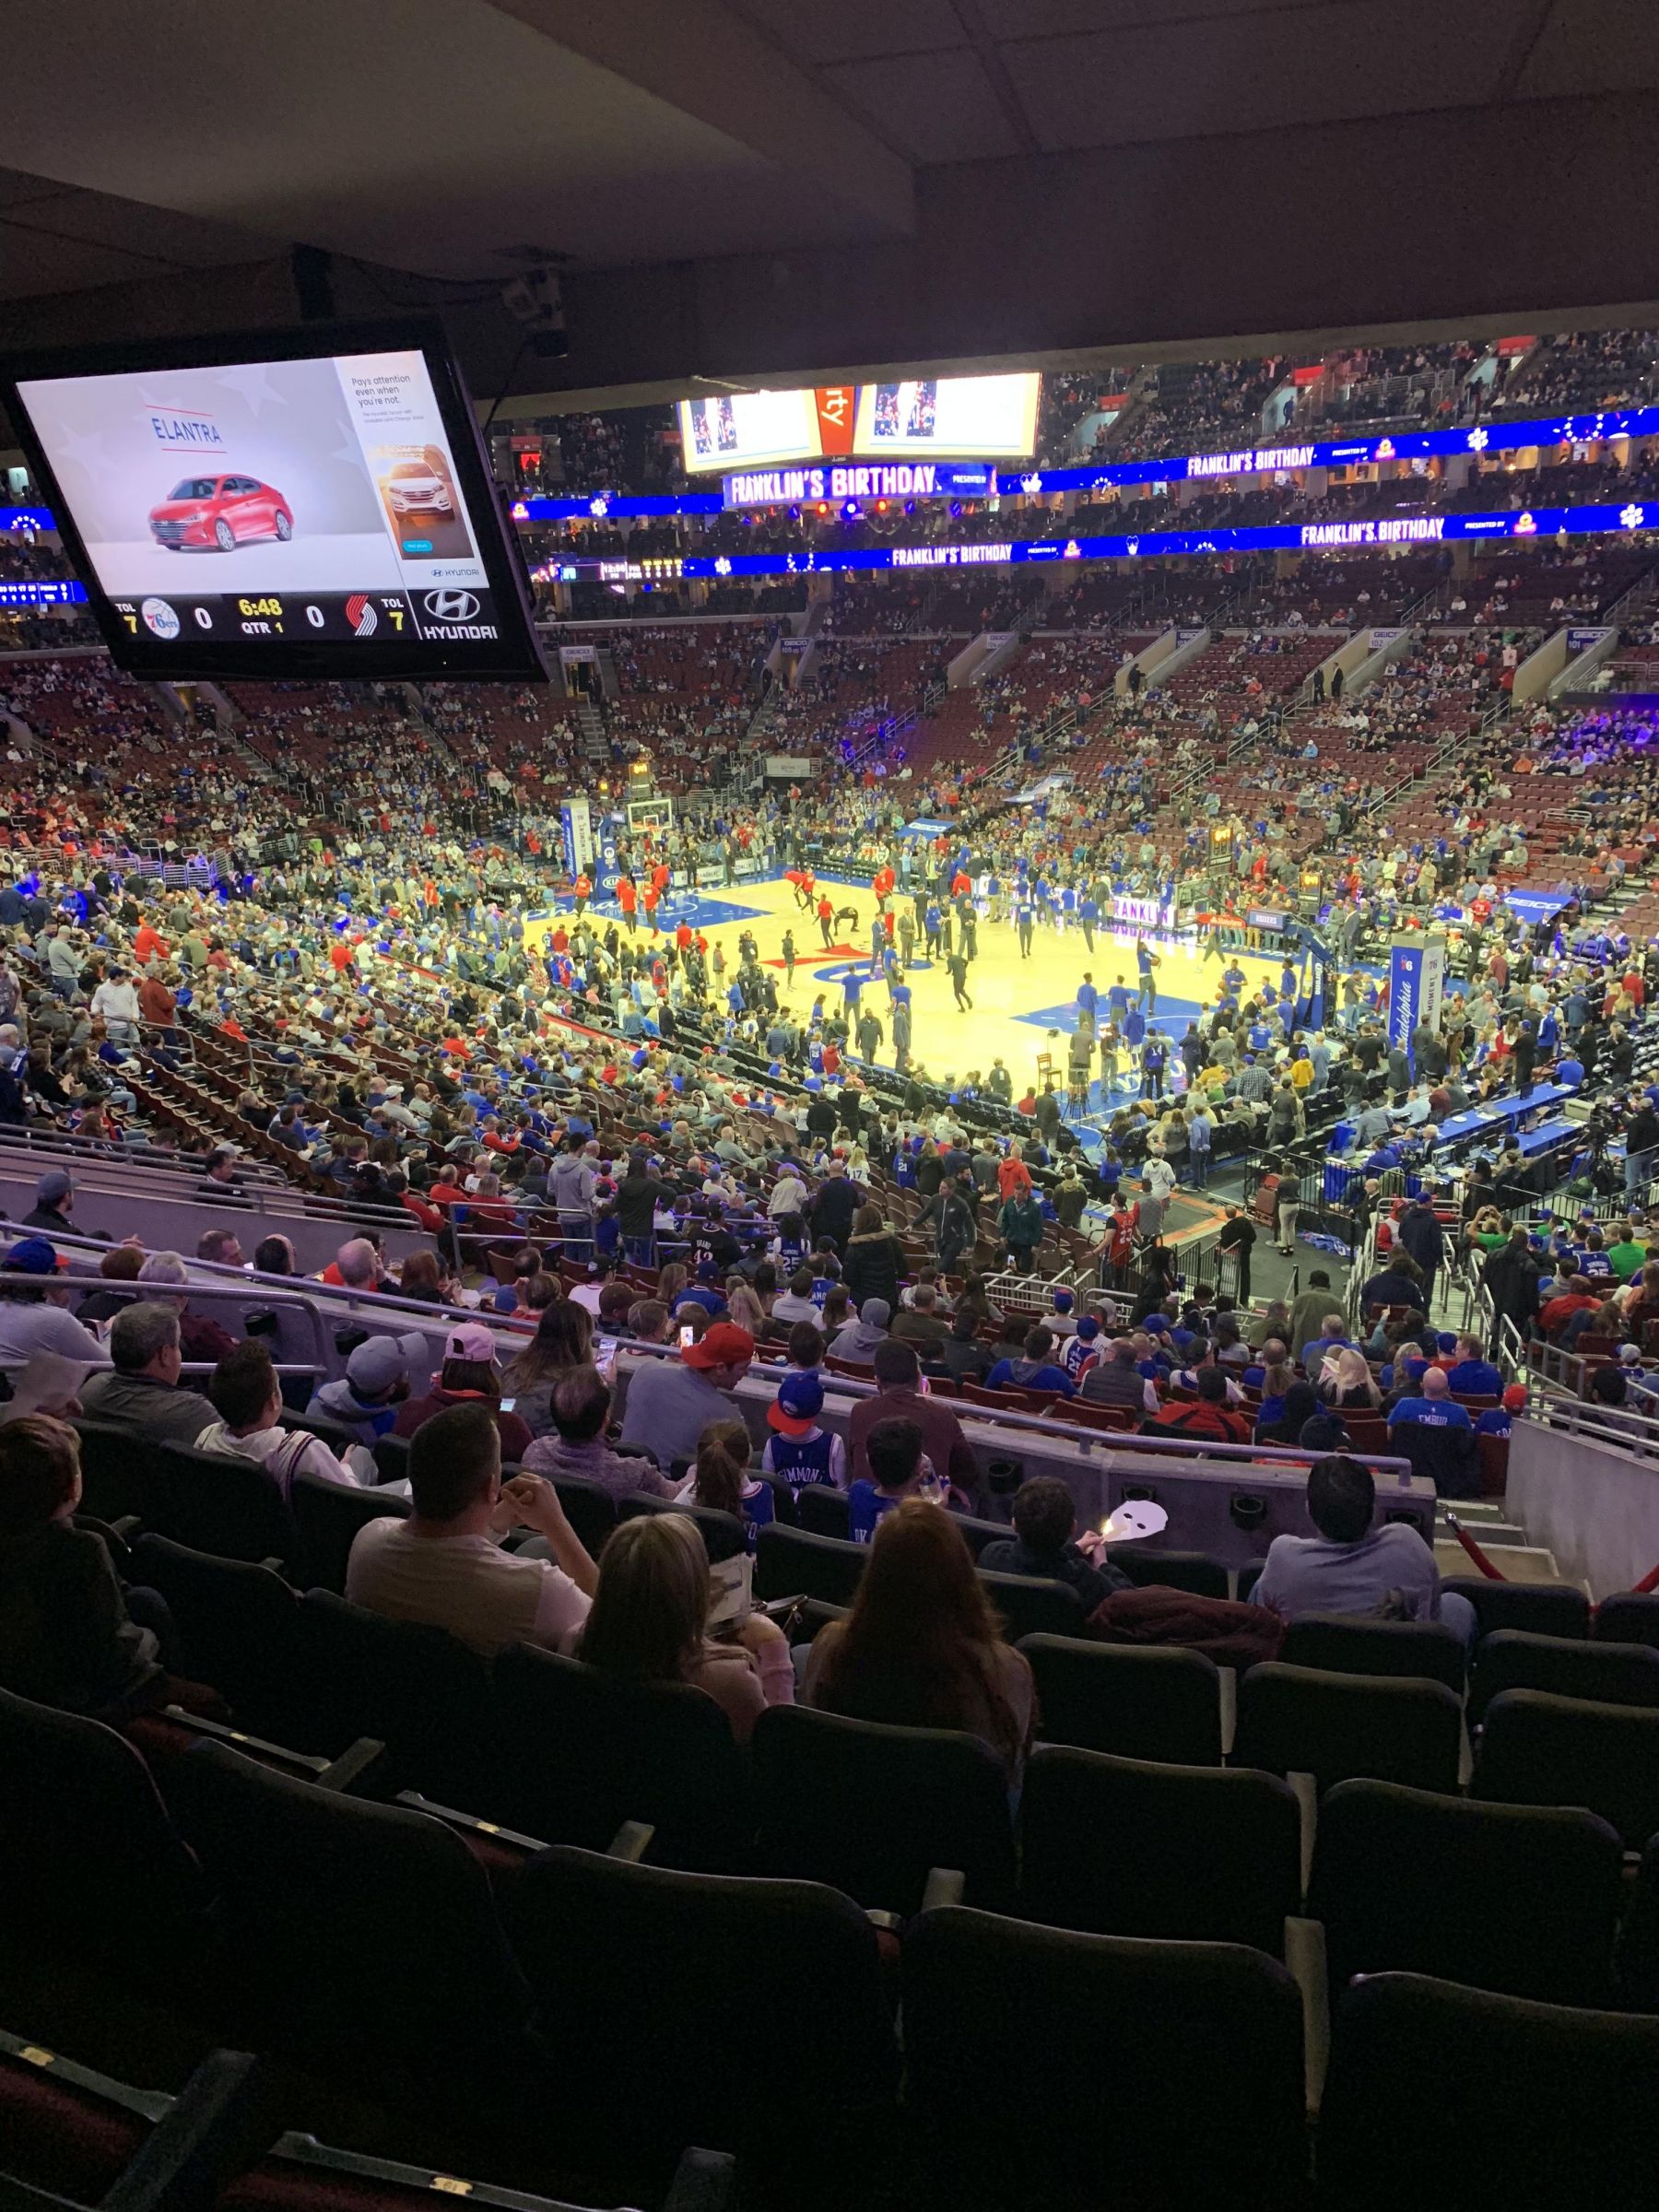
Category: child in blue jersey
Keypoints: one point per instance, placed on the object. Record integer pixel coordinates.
(899, 1468)
(721, 1479)
(799, 1449)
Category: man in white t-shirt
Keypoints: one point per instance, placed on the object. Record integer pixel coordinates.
(443, 1565)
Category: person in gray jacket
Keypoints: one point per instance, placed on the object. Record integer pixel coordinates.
(570, 1185)
(142, 1389)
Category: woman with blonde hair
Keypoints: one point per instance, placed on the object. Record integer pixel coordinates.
(1347, 1383)
(922, 1646)
(648, 1623)
(745, 1310)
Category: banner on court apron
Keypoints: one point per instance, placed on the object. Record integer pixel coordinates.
(1416, 977)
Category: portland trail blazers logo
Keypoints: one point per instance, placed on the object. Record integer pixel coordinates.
(360, 613)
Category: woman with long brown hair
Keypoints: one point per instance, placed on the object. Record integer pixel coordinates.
(873, 1259)
(922, 1646)
(563, 1343)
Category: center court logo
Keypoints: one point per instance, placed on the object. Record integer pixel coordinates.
(451, 607)
(160, 617)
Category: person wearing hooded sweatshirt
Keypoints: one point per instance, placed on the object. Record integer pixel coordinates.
(857, 1340)
(377, 1380)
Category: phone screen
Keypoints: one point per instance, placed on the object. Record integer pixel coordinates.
(688, 1335)
(507, 1405)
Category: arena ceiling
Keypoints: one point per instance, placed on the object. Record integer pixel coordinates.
(751, 188)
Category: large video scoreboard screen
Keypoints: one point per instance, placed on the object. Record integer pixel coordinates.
(972, 417)
(281, 509)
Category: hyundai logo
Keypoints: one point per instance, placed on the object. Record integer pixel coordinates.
(451, 607)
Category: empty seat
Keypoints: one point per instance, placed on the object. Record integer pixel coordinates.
(1139, 1700)
(1541, 1608)
(872, 1809)
(1148, 1568)
(1032, 1606)
(715, 1954)
(823, 1511)
(977, 1534)
(1188, 2056)
(1537, 1749)
(298, 2171)
(121, 1474)
(92, 1869)
(1608, 1674)
(791, 1562)
(407, 1685)
(328, 1516)
(1520, 1899)
(1632, 1616)
(589, 1509)
(587, 1750)
(1302, 1719)
(349, 1933)
(238, 1627)
(1125, 1847)
(724, 1535)
(219, 1503)
(71, 2137)
(392, 1457)
(1502, 2101)
(1340, 1643)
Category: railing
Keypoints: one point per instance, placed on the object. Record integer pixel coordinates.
(1631, 1432)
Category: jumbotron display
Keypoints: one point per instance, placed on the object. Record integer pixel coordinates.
(281, 510)
(982, 417)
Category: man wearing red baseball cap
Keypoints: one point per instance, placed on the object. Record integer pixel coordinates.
(671, 1402)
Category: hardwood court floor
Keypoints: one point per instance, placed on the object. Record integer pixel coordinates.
(1016, 1001)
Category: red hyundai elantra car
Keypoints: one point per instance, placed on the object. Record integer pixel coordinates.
(219, 513)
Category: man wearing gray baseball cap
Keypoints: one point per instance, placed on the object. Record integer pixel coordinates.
(377, 1380)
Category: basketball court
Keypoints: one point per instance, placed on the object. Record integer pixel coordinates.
(1023, 1007)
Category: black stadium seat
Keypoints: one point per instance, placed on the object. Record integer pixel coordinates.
(239, 1630)
(1189, 2053)
(1531, 2106)
(873, 1809)
(1341, 1645)
(349, 1933)
(93, 1871)
(1137, 1701)
(1537, 1749)
(1032, 1606)
(1541, 1608)
(328, 1516)
(1129, 1847)
(1520, 1899)
(584, 1751)
(1632, 1617)
(715, 1954)
(406, 1686)
(1300, 1720)
(1612, 1674)
(219, 1503)
(792, 1562)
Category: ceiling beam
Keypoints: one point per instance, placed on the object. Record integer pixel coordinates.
(710, 63)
